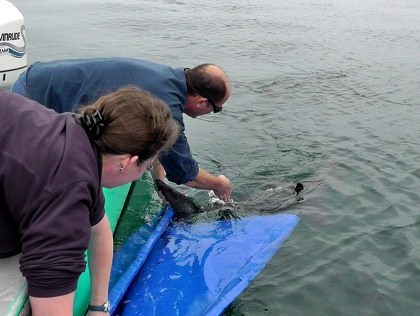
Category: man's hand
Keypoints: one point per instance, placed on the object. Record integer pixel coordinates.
(220, 185)
(224, 190)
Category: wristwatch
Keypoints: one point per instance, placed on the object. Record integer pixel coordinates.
(105, 307)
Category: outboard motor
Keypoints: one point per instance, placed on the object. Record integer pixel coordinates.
(13, 59)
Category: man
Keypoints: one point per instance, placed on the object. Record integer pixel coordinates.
(63, 85)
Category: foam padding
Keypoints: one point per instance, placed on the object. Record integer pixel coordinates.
(200, 268)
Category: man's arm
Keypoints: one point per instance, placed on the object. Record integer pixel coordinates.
(203, 181)
(179, 165)
(100, 260)
(158, 171)
(206, 181)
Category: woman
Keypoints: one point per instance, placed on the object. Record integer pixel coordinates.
(52, 167)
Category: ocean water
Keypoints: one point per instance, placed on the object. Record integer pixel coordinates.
(324, 92)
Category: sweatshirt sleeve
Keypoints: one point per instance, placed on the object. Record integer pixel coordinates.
(55, 236)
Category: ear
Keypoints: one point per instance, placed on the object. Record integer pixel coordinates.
(126, 160)
(133, 159)
(194, 105)
(194, 101)
(201, 100)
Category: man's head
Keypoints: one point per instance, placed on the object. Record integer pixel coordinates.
(208, 88)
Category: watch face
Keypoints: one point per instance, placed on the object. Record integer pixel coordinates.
(107, 306)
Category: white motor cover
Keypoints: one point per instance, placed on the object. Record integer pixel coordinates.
(13, 59)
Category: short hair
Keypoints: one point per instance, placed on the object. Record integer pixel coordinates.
(135, 123)
(207, 84)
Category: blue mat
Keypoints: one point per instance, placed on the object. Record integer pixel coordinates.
(129, 258)
(199, 269)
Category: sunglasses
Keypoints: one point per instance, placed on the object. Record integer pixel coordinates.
(216, 109)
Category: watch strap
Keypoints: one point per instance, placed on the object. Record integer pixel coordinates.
(105, 307)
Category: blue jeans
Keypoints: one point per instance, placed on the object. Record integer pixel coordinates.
(19, 86)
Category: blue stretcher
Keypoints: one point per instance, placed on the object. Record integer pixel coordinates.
(179, 268)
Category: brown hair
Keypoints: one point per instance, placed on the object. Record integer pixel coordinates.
(132, 121)
(207, 84)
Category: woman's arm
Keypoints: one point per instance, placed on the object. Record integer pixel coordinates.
(52, 306)
(100, 260)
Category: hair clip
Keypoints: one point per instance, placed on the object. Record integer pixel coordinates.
(91, 122)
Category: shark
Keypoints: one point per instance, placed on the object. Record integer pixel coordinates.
(182, 205)
(185, 206)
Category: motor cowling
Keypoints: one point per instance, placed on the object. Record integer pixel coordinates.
(13, 58)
